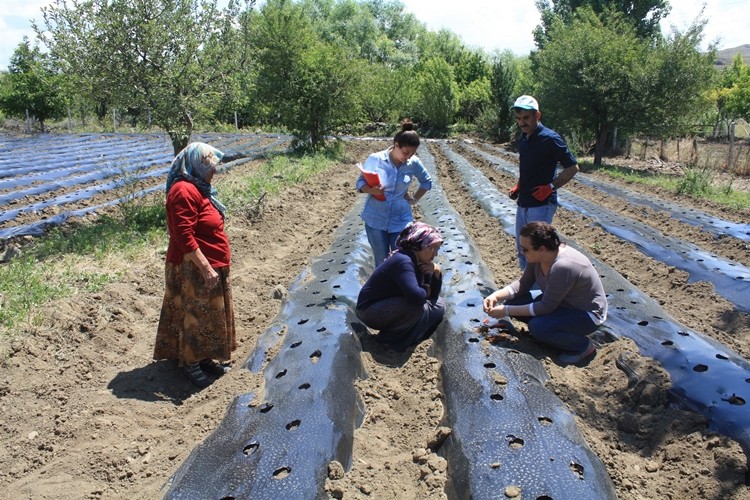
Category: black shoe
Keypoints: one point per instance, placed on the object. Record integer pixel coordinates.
(196, 376)
(213, 368)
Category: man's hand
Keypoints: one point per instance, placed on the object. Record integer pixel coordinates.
(513, 193)
(543, 192)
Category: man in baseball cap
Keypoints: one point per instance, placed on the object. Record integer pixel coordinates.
(540, 149)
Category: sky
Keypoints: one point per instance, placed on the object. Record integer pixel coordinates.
(489, 24)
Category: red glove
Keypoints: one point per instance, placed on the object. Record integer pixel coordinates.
(513, 193)
(542, 192)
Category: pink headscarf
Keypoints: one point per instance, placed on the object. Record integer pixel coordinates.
(418, 236)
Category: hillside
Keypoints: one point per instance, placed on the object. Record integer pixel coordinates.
(724, 57)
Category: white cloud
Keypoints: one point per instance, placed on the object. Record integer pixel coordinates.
(490, 24)
(728, 20)
(15, 23)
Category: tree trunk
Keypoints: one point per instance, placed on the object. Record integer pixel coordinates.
(614, 141)
(179, 140)
(601, 143)
(180, 132)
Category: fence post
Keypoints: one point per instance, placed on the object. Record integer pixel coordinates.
(730, 158)
(694, 152)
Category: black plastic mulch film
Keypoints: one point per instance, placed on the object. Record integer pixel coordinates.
(707, 377)
(731, 279)
(509, 433)
(507, 428)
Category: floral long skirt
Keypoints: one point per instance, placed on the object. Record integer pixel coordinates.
(195, 323)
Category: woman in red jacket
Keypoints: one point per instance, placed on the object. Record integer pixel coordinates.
(196, 326)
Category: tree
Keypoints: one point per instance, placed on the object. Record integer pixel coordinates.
(473, 99)
(732, 95)
(387, 94)
(166, 58)
(505, 73)
(595, 77)
(738, 98)
(643, 15)
(676, 88)
(439, 97)
(32, 85)
(309, 84)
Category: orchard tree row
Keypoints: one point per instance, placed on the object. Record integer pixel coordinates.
(601, 69)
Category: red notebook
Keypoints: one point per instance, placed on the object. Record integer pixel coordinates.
(371, 178)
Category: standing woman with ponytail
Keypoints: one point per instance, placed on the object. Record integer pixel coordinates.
(397, 167)
(196, 326)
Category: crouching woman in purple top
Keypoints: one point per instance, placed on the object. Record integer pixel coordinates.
(401, 298)
(572, 303)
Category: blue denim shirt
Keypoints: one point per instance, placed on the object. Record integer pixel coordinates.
(393, 214)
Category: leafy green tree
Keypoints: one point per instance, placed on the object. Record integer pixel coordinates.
(387, 94)
(498, 121)
(309, 84)
(473, 99)
(374, 30)
(732, 94)
(167, 58)
(738, 98)
(643, 15)
(675, 89)
(439, 95)
(32, 85)
(595, 77)
(443, 44)
(589, 75)
(398, 46)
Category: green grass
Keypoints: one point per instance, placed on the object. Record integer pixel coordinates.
(245, 196)
(76, 258)
(696, 182)
(73, 258)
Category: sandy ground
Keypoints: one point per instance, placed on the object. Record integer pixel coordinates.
(86, 413)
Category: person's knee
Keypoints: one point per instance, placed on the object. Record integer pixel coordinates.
(538, 328)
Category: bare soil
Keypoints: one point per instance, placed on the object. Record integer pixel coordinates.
(86, 413)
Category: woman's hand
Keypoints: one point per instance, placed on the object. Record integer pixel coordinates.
(428, 268)
(378, 190)
(489, 302)
(500, 311)
(210, 277)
